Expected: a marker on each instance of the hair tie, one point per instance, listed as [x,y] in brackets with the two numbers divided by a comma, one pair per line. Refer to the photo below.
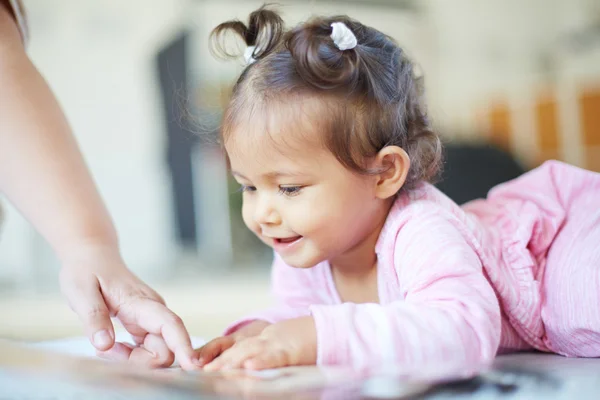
[342,36]
[249,55]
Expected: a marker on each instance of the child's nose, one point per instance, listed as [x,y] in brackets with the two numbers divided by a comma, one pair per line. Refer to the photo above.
[265,213]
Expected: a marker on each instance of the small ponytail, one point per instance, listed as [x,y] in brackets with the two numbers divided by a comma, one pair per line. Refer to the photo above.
[262,35]
[319,61]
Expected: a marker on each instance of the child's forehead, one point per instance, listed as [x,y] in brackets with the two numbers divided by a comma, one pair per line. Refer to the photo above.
[272,151]
[284,129]
[265,153]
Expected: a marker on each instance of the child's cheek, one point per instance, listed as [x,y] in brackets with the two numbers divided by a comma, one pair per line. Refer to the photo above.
[247,216]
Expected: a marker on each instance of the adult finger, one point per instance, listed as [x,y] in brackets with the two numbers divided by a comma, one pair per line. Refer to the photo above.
[88,303]
[138,339]
[154,317]
[119,352]
[153,353]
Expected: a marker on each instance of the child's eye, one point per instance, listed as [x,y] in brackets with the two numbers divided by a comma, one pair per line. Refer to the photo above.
[246,188]
[290,190]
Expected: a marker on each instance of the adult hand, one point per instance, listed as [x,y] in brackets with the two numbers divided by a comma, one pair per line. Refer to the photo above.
[99,286]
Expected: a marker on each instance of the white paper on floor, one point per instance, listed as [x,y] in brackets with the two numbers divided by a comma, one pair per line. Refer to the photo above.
[80,345]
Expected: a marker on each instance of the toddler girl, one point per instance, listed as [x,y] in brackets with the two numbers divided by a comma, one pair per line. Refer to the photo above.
[327,136]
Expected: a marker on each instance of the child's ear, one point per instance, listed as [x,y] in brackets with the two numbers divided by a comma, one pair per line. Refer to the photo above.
[394,164]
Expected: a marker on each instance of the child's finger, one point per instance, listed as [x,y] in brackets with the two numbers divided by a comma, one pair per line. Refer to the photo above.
[225,360]
[214,365]
[218,362]
[243,351]
[267,360]
[213,349]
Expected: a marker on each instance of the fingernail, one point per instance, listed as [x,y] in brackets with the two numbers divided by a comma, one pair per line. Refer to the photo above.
[102,338]
[199,361]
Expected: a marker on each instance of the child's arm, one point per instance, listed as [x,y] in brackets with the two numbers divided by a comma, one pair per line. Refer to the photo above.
[447,312]
[294,291]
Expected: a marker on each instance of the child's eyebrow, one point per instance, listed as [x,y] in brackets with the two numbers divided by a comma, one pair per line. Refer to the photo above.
[279,174]
[235,173]
[272,175]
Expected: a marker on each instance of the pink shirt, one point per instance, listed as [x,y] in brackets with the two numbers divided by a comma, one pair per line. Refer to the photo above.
[456,284]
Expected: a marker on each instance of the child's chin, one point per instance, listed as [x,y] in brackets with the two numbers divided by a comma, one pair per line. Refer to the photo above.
[298,262]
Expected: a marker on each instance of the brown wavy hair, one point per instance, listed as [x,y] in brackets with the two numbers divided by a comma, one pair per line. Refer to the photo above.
[371,94]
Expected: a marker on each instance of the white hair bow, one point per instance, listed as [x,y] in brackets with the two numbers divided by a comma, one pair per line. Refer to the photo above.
[249,55]
[342,36]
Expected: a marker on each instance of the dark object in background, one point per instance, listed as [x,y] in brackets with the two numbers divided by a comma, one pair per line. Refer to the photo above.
[171,66]
[471,170]
[508,380]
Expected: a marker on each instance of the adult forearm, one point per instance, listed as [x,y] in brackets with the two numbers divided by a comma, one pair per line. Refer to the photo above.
[41,168]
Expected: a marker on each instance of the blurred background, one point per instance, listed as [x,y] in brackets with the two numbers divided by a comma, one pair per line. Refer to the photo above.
[510,83]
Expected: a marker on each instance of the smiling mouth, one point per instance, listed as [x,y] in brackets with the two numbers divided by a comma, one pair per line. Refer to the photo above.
[287,240]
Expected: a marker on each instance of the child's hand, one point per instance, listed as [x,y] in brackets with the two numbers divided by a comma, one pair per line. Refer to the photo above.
[215,347]
[291,342]
[254,328]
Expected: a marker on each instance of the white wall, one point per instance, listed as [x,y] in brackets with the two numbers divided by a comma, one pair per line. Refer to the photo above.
[98,58]
[496,48]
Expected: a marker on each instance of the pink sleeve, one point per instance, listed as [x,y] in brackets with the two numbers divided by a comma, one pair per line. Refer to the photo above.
[447,310]
[293,290]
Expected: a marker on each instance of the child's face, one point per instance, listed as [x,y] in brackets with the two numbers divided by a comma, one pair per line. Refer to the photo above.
[299,199]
